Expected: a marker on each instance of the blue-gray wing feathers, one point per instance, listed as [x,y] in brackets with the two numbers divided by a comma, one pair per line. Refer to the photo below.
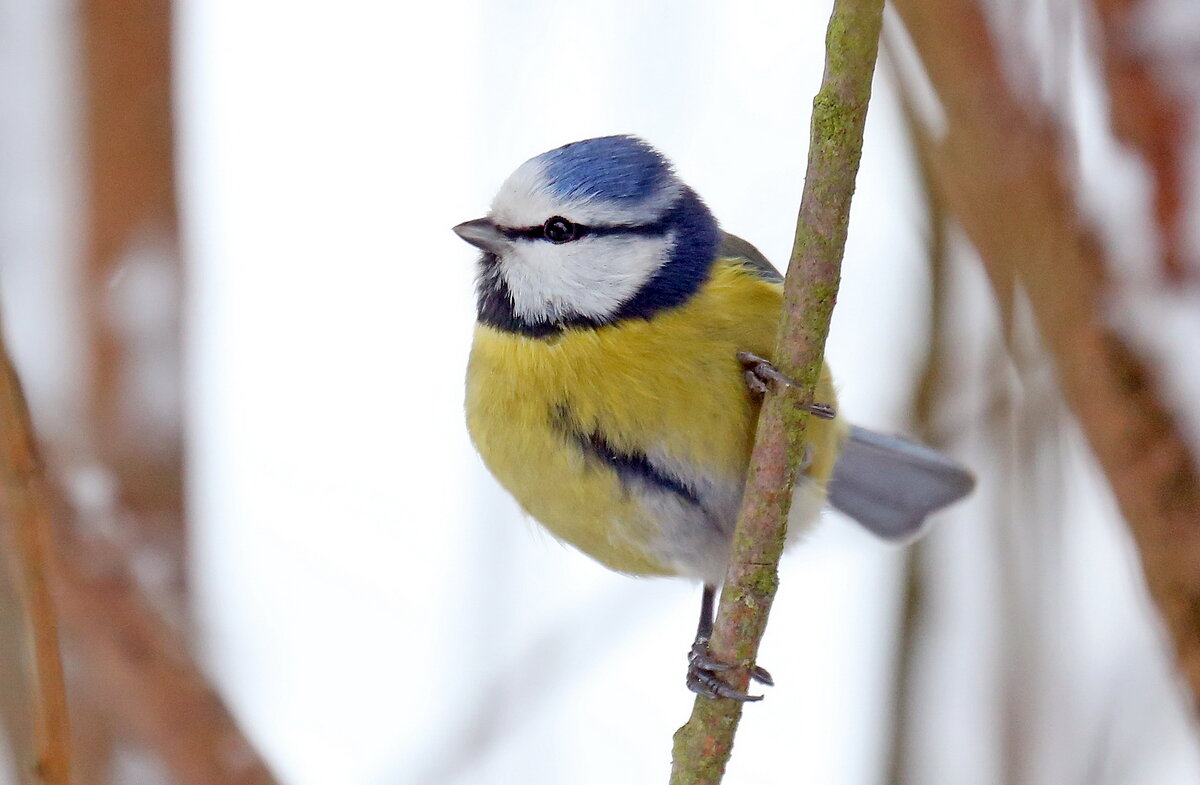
[890,484]
[734,247]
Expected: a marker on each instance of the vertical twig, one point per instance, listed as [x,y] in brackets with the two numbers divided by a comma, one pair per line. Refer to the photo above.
[131,227]
[703,745]
[929,396]
[129,178]
[26,512]
[18,746]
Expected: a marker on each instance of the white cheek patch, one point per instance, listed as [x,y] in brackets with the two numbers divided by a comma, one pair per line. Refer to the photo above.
[590,277]
[526,199]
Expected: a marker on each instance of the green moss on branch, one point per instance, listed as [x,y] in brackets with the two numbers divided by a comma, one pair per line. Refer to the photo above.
[703,745]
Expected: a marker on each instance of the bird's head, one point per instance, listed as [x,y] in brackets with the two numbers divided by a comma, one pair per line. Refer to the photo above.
[588,234]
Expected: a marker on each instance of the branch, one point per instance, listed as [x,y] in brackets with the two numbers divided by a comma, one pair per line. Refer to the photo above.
[1147,117]
[137,666]
[26,516]
[703,745]
[1001,169]
[927,400]
[18,685]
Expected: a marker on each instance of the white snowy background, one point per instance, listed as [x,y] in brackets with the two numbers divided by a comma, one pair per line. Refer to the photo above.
[374,607]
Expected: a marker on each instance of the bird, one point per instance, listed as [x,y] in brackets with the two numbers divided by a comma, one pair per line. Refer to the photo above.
[622,346]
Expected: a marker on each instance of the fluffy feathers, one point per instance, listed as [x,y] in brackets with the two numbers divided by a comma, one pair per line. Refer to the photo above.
[669,389]
[603,389]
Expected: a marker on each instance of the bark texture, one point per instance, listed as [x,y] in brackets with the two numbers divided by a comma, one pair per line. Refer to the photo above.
[703,745]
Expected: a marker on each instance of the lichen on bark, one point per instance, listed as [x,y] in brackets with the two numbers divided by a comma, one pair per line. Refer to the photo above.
[703,745]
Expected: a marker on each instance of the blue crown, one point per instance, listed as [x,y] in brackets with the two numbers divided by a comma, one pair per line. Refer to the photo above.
[618,168]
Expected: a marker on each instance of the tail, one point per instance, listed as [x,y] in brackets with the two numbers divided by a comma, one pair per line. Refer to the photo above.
[889,484]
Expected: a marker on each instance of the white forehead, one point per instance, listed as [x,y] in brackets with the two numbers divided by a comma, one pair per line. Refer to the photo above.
[528,199]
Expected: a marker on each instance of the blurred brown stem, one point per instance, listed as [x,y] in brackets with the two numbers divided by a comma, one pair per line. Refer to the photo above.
[26,515]
[1148,118]
[929,396]
[129,181]
[703,745]
[1000,166]
[138,667]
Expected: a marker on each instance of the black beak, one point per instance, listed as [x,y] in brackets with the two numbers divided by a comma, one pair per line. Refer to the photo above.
[483,233]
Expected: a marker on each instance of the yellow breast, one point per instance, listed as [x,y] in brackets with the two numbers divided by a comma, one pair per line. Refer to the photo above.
[669,386]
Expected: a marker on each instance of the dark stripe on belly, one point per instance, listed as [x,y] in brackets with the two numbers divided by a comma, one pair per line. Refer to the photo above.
[632,468]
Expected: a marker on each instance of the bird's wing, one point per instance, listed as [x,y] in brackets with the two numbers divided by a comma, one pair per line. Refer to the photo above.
[889,484]
[734,247]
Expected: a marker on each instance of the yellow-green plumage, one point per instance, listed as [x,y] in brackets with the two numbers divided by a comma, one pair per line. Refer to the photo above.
[670,386]
[605,391]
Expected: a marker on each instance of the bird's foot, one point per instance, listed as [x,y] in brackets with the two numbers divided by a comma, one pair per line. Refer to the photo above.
[703,675]
[761,374]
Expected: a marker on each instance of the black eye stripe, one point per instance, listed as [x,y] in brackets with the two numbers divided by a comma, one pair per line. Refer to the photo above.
[539,232]
[652,229]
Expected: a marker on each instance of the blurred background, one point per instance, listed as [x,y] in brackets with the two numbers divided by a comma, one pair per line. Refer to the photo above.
[229,286]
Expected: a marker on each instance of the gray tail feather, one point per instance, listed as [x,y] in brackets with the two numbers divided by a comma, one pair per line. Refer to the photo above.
[889,484]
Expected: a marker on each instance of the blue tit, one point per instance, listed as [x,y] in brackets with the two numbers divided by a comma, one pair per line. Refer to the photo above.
[622,344]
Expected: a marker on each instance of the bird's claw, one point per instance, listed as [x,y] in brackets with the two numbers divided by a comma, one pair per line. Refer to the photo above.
[702,677]
[761,374]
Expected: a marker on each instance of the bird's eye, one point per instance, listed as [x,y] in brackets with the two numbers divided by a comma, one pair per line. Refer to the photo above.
[559,230]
